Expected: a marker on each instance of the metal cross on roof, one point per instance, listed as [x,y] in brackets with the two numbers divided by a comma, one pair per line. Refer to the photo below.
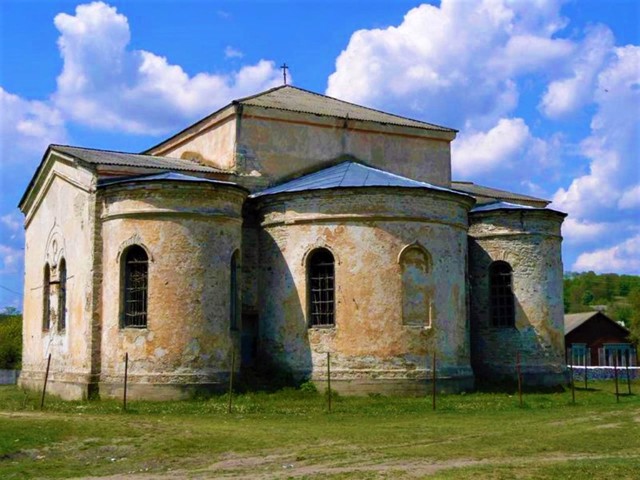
[284,67]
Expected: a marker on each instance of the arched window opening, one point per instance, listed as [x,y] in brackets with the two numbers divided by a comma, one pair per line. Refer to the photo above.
[46,299]
[136,275]
[417,304]
[62,296]
[234,300]
[501,293]
[321,285]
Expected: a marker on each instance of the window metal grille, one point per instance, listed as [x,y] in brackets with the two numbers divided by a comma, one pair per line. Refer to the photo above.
[321,282]
[46,292]
[62,296]
[501,292]
[136,275]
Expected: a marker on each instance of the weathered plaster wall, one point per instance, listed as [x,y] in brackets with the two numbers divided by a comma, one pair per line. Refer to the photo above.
[530,242]
[59,224]
[190,232]
[366,231]
[279,144]
[210,142]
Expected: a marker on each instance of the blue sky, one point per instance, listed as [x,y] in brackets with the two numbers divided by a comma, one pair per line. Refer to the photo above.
[546,94]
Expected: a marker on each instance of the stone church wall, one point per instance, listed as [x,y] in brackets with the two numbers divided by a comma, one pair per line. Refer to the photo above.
[190,232]
[59,224]
[280,144]
[530,242]
[372,350]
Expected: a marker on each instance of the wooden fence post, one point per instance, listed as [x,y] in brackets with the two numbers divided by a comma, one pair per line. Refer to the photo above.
[518,371]
[126,372]
[233,367]
[433,381]
[46,377]
[329,381]
[615,375]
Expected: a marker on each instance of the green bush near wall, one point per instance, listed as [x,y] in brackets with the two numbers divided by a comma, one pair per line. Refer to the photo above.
[10,340]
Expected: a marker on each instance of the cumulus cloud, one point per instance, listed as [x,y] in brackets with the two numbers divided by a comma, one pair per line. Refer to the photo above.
[622,258]
[456,64]
[10,259]
[27,127]
[106,85]
[486,151]
[613,145]
[566,95]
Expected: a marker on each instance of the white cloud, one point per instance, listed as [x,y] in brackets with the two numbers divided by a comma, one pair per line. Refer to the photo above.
[484,152]
[621,258]
[11,259]
[613,146]
[456,64]
[12,222]
[630,198]
[230,52]
[105,85]
[26,128]
[566,95]
[581,232]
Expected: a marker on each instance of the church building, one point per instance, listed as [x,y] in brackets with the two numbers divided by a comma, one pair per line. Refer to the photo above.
[285,226]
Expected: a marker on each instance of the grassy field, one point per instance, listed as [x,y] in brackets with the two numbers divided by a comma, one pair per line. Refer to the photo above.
[289,434]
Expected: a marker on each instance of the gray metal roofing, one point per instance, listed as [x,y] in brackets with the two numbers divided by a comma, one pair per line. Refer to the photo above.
[574,320]
[487,207]
[349,175]
[162,177]
[494,193]
[105,157]
[296,99]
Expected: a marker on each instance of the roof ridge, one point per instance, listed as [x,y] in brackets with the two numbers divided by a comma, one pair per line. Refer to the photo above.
[54,145]
[259,94]
[345,102]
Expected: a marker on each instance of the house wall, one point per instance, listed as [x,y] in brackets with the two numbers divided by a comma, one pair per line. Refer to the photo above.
[60,223]
[190,232]
[279,144]
[595,332]
[530,242]
[371,349]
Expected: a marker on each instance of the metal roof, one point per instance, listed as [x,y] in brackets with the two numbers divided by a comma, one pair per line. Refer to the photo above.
[488,207]
[294,99]
[493,193]
[162,177]
[574,320]
[106,157]
[349,174]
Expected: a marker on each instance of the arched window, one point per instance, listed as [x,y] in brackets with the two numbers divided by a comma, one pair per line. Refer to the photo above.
[136,275]
[234,311]
[416,285]
[62,296]
[501,293]
[46,292]
[321,285]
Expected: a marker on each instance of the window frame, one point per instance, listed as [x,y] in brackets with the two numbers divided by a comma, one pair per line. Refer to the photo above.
[234,292]
[62,295]
[502,300]
[46,298]
[326,294]
[126,288]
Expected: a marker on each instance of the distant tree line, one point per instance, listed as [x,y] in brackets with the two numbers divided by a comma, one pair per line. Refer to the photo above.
[10,339]
[617,295]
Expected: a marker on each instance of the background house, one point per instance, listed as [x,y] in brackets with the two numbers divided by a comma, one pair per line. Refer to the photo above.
[600,338]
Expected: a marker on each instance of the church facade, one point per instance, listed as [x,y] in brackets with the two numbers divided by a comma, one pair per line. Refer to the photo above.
[283,227]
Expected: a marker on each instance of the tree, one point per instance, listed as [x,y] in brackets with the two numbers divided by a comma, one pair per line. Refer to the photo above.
[10,339]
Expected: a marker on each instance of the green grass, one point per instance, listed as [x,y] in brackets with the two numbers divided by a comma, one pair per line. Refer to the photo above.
[290,433]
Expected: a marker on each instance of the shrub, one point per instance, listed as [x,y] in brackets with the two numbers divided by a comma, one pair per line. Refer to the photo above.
[10,340]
